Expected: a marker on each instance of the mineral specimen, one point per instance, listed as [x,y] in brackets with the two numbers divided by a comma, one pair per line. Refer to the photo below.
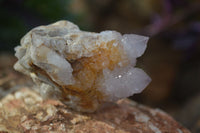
[82,69]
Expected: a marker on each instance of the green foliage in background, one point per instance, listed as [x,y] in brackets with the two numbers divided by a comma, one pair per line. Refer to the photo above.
[15,17]
[11,29]
[50,10]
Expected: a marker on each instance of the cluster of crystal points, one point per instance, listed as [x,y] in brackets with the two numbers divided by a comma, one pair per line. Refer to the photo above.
[82,69]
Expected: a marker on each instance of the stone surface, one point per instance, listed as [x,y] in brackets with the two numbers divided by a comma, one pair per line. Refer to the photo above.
[26,111]
[82,69]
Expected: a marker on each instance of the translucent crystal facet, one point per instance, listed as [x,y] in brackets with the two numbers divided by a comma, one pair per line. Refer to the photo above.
[82,69]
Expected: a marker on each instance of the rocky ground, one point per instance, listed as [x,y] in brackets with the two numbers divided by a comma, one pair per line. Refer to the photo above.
[26,111]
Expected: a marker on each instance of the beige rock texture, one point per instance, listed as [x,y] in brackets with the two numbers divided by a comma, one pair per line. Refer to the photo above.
[26,112]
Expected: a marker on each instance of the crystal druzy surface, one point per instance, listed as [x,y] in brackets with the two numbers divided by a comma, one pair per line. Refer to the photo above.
[82,69]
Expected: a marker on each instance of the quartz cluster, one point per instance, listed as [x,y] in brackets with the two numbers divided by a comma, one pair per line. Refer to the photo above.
[82,69]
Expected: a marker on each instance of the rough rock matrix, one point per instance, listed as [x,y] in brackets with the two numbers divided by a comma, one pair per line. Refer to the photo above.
[82,69]
[26,112]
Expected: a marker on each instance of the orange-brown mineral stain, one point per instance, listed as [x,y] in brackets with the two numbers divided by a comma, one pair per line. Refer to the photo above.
[88,72]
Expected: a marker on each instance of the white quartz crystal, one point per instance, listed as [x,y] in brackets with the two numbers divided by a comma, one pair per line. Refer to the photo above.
[83,69]
[124,82]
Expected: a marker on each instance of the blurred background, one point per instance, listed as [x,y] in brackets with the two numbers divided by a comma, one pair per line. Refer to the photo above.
[172,58]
